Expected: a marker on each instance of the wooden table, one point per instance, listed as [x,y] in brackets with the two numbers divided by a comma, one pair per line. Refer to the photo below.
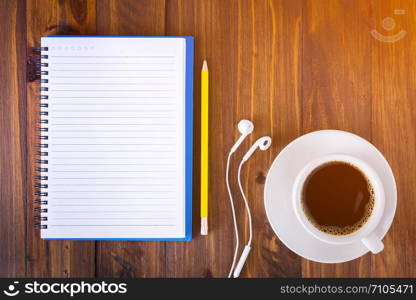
[291,66]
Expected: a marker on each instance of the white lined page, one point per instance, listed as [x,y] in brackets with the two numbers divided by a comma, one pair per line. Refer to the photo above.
[116,137]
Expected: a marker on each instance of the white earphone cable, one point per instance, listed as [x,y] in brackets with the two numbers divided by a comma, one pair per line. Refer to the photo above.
[230,196]
[263,143]
[250,223]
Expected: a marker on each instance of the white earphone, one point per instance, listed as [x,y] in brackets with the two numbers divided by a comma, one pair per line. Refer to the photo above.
[245,127]
[263,143]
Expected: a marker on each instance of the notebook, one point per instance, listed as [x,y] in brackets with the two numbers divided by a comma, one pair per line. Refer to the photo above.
[115,149]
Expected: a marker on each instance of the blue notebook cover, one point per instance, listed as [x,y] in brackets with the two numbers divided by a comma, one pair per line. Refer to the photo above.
[189,109]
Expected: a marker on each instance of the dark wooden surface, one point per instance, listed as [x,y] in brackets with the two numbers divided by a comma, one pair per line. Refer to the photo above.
[290,66]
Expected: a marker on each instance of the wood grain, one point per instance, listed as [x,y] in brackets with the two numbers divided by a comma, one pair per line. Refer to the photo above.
[269,82]
[13,145]
[290,66]
[394,126]
[131,17]
[76,17]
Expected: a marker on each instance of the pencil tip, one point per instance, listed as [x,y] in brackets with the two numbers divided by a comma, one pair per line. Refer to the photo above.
[205,65]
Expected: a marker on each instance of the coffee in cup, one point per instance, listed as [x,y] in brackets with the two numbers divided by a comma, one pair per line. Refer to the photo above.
[340,199]
[337,198]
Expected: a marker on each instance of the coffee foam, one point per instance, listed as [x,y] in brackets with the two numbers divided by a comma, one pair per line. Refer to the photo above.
[345,230]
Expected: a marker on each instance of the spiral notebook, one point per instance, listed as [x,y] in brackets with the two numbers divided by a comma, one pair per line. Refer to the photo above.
[115,151]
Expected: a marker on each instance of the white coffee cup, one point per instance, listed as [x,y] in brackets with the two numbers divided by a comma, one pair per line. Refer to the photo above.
[366,233]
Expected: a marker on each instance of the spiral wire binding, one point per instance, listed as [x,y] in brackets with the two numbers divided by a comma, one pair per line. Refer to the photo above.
[41,169]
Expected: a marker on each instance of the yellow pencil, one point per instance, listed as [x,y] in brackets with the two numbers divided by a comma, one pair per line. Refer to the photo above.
[204,149]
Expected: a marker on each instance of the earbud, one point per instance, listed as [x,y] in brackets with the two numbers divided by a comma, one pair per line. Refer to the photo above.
[263,143]
[245,127]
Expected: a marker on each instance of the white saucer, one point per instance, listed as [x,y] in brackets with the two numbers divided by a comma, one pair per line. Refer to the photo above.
[278,189]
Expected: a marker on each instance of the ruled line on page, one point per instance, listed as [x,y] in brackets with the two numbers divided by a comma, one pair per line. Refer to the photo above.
[113,137]
[116,205]
[118,171]
[107,184]
[112,144]
[113,77]
[112,178]
[84,103]
[122,159]
[51,219]
[114,124]
[127,117]
[111,97]
[105,56]
[113,70]
[135,151]
[112,198]
[110,84]
[112,111]
[111,211]
[78,90]
[112,63]
[117,164]
[111,191]
[96,130]
[107,225]
[106,158]
[111,205]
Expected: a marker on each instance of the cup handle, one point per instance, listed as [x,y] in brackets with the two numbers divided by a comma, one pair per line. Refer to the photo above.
[373,243]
